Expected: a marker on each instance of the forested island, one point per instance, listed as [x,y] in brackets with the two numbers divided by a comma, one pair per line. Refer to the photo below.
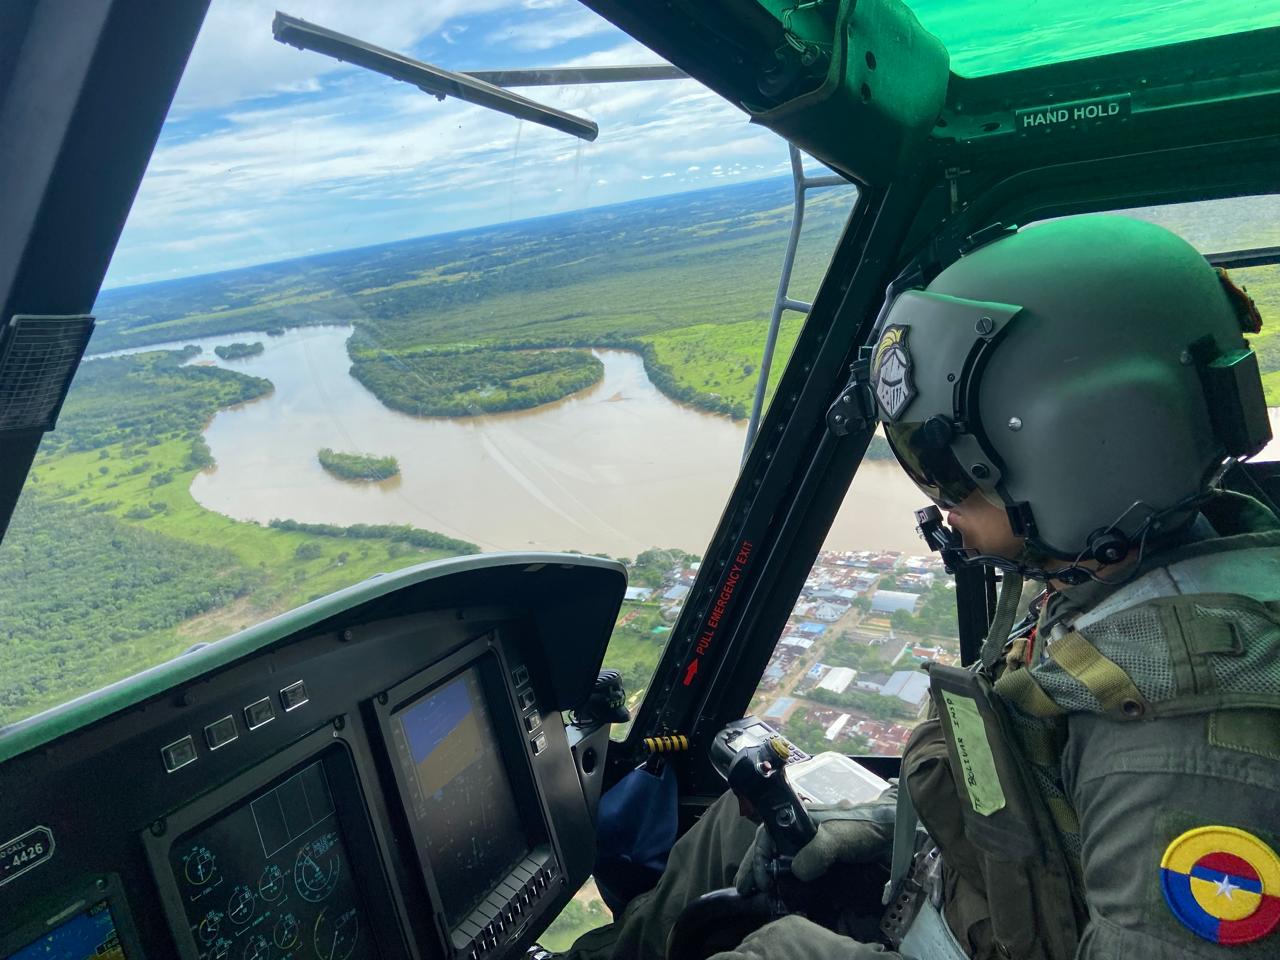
[237,351]
[467,383]
[358,466]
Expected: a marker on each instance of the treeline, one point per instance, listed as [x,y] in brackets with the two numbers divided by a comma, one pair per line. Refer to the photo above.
[935,616]
[426,539]
[79,592]
[144,397]
[811,736]
[872,704]
[357,466]
[661,376]
[585,270]
[652,565]
[475,382]
[235,351]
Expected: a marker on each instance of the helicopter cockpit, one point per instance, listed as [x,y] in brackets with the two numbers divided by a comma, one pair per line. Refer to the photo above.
[396,725]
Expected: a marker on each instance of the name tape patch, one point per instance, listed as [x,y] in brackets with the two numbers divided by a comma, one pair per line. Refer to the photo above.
[981,780]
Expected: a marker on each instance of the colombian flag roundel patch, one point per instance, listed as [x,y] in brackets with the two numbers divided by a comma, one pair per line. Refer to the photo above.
[1222,884]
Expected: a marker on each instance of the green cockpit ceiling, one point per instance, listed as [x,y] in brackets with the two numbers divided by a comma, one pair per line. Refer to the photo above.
[995,36]
[873,87]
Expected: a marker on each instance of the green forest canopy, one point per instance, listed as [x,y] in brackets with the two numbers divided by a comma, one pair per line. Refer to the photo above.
[235,351]
[478,381]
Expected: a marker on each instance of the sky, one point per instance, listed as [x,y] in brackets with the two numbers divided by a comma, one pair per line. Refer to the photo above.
[270,152]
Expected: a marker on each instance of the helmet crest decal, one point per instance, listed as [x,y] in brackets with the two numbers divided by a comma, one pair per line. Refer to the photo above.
[891,372]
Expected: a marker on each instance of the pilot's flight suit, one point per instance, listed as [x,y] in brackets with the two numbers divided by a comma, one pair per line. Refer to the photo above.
[1149,735]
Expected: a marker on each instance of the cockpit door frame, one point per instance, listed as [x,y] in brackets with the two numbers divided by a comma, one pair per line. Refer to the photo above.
[84,90]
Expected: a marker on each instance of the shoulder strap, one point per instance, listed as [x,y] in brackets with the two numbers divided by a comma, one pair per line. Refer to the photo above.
[1080,659]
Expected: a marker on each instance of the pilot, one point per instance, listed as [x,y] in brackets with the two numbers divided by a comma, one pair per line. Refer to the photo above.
[1104,783]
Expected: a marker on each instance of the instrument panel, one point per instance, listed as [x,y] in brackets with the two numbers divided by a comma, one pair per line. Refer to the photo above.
[390,780]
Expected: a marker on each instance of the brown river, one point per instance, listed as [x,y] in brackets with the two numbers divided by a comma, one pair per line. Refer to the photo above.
[614,469]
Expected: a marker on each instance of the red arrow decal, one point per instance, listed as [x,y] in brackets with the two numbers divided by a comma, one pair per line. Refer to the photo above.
[690,673]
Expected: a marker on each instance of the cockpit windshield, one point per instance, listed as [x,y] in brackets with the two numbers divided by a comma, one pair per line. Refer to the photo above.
[349,328]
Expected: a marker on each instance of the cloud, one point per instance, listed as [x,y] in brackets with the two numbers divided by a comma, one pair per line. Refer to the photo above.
[628,54]
[543,32]
[236,58]
[339,162]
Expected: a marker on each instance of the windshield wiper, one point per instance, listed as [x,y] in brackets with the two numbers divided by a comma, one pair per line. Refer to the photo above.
[431,79]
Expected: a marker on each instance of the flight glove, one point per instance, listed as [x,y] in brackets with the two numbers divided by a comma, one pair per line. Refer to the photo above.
[847,833]
[795,938]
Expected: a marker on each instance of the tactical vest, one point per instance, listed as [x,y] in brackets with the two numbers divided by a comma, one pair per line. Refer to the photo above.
[1199,634]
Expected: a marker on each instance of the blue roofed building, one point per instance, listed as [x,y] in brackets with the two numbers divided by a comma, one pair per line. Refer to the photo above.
[778,711]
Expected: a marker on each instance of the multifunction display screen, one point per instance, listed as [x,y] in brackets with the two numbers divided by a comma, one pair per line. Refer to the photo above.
[467,824]
[272,878]
[89,935]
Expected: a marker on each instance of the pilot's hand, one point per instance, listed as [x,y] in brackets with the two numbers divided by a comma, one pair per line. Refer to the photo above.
[847,833]
[795,938]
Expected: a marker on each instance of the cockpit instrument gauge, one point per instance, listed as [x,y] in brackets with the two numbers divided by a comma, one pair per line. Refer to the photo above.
[256,947]
[271,883]
[221,950]
[210,925]
[241,905]
[285,933]
[336,933]
[199,866]
[316,867]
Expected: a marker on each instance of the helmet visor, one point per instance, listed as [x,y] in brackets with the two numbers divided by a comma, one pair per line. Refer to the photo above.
[932,467]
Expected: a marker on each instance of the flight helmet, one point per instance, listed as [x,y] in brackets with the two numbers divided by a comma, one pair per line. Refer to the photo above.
[1089,374]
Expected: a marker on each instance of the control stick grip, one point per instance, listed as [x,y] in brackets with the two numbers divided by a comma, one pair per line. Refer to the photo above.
[759,781]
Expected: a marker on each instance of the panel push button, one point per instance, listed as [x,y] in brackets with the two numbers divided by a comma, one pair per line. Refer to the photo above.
[532,722]
[520,676]
[527,699]
[221,732]
[293,696]
[257,714]
[179,753]
[539,743]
